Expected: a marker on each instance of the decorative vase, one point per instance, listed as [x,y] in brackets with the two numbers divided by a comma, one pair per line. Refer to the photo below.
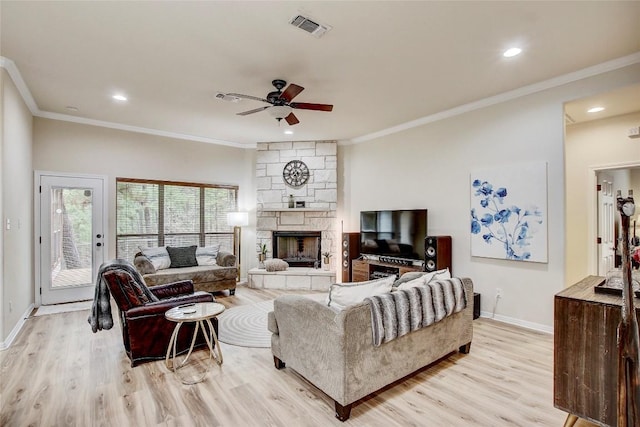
[261,258]
[326,263]
[292,201]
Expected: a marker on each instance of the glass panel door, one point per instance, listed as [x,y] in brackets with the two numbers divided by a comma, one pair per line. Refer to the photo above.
[72,237]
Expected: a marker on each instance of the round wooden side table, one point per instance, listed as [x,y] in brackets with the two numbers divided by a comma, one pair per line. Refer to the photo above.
[200,313]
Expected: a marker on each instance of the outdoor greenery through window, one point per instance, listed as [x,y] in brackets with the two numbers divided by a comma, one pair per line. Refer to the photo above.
[163,213]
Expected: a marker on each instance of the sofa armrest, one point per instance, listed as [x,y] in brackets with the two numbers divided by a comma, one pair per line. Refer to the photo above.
[160,307]
[226,259]
[174,289]
[311,339]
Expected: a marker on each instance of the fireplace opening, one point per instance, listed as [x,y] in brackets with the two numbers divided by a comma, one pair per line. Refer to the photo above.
[298,248]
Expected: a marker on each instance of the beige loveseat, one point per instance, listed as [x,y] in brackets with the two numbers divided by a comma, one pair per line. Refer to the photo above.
[335,352]
[208,278]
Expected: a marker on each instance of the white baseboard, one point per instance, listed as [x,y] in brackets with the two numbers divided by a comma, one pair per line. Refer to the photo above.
[16,329]
[529,325]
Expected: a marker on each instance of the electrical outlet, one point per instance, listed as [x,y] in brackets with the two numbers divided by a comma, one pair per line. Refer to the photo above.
[498,292]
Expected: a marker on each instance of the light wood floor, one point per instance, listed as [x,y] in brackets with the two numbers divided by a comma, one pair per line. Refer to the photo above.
[58,373]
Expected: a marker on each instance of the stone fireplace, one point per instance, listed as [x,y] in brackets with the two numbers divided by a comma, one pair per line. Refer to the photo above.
[298,248]
[316,220]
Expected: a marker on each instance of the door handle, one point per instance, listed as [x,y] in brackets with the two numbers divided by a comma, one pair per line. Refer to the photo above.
[99,236]
[98,244]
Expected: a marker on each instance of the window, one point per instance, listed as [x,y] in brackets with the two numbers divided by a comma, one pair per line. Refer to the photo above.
[163,213]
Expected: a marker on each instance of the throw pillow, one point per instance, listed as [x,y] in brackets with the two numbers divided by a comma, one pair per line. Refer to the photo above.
[409,276]
[440,275]
[206,255]
[182,257]
[143,265]
[276,264]
[159,257]
[420,281]
[342,295]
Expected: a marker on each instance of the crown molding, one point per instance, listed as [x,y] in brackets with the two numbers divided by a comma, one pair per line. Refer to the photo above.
[22,87]
[506,96]
[138,129]
[594,70]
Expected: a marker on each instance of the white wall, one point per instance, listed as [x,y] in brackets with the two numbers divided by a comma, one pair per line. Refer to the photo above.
[429,167]
[74,148]
[16,184]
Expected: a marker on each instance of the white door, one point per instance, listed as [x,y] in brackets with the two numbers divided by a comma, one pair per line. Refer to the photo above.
[606,224]
[72,241]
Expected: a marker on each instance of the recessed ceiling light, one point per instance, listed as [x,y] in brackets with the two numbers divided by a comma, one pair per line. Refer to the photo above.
[288,132]
[512,52]
[119,97]
[595,109]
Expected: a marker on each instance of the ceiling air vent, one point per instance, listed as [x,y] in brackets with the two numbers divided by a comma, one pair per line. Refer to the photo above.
[310,26]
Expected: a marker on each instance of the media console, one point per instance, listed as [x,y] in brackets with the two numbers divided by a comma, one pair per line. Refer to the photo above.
[368,269]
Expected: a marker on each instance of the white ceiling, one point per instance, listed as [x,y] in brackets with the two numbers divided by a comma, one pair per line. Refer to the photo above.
[384,63]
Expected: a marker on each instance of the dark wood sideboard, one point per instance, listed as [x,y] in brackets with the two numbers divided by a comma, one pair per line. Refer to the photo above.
[585,351]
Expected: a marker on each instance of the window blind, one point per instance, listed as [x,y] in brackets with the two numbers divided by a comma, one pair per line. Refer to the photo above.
[163,213]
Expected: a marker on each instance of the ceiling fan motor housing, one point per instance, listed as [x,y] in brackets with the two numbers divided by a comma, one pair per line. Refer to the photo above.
[279,84]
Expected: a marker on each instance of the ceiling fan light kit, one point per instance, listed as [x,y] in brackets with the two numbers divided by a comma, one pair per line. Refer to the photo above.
[280,102]
[279,112]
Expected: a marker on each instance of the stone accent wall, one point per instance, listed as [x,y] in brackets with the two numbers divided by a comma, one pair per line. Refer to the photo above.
[320,193]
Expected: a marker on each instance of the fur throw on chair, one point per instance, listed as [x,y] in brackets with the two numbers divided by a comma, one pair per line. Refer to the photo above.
[100,317]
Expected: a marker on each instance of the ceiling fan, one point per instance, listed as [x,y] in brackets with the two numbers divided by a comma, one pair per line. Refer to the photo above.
[280,102]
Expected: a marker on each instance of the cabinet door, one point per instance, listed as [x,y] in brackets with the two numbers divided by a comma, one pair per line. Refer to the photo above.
[360,270]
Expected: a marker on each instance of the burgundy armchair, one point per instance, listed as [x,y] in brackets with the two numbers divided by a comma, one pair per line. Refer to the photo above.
[145,330]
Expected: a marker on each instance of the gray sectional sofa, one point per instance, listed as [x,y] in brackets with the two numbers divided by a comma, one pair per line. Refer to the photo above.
[208,278]
[334,349]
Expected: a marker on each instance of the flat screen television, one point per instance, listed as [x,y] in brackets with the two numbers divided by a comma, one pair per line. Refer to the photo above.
[394,233]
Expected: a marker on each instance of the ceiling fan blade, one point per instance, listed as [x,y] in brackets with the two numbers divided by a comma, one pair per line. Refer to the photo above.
[308,106]
[256,110]
[292,119]
[255,98]
[291,92]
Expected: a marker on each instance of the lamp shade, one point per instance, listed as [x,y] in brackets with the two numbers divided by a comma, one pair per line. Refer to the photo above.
[238,219]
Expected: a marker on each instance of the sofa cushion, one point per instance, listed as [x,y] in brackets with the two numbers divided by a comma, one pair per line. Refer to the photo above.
[182,256]
[206,255]
[159,257]
[197,274]
[342,295]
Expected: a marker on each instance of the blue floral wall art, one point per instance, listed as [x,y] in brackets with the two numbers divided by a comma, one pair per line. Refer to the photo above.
[509,212]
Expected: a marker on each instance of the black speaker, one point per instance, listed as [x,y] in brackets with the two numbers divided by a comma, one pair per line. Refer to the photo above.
[350,251]
[476,305]
[437,253]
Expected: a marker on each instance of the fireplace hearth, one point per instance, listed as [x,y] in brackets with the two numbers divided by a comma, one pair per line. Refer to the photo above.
[298,248]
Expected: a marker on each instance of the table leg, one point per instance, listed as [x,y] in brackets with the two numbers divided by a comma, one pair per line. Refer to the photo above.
[172,347]
[570,421]
[212,333]
[212,343]
[193,342]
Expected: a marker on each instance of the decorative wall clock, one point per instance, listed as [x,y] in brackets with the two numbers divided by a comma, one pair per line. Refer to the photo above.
[295,173]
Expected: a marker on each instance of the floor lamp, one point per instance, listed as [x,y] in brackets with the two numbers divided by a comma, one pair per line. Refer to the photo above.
[237,220]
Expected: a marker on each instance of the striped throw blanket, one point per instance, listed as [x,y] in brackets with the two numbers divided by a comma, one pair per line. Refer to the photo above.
[397,313]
